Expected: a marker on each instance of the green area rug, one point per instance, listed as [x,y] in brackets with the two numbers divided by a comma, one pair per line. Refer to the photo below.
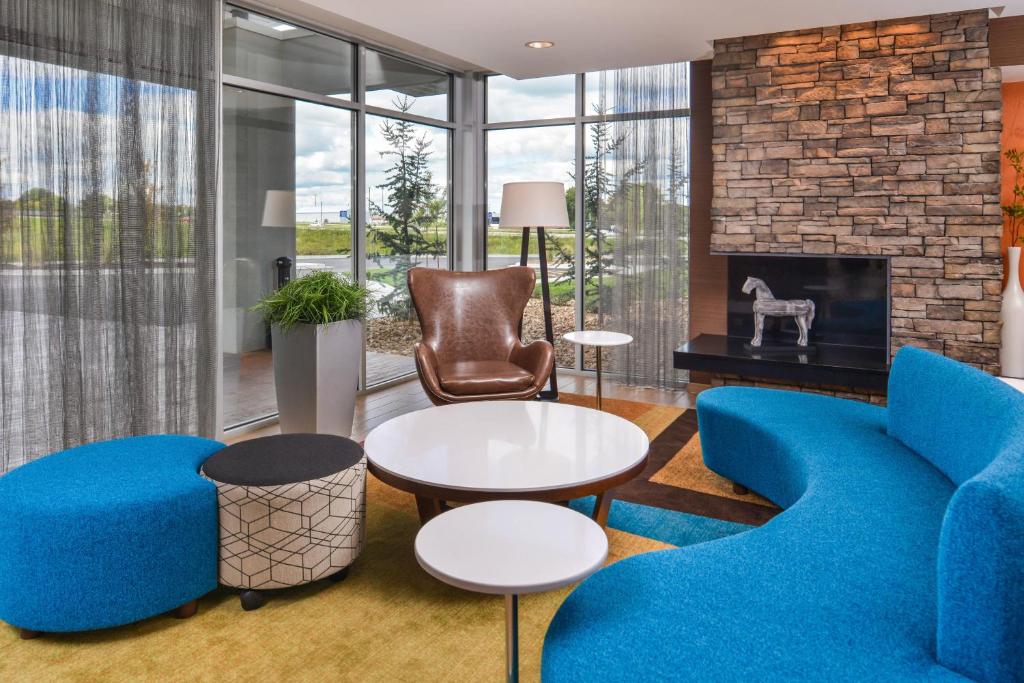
[389,621]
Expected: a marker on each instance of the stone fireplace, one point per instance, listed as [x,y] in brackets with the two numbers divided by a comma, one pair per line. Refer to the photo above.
[870,140]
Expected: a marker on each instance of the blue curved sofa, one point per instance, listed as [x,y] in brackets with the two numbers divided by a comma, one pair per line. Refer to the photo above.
[899,555]
[107,534]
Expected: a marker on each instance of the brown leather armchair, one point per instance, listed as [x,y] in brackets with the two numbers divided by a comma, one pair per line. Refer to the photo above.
[471,350]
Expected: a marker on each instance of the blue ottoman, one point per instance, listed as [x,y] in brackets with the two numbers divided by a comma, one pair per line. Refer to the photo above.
[107,534]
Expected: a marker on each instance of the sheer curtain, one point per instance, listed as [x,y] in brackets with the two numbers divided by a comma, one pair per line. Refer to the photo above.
[108,171]
[643,217]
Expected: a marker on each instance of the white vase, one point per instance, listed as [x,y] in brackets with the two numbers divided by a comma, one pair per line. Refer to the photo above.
[1011,353]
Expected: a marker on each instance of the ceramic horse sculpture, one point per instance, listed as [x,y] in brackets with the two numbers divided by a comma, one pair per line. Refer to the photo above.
[802,310]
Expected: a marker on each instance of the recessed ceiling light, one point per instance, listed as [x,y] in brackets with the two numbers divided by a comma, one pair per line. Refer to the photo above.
[540,44]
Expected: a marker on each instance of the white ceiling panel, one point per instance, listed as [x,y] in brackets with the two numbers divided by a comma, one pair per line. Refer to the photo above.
[591,35]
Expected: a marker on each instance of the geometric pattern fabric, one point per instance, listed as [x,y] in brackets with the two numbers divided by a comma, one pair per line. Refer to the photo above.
[291,534]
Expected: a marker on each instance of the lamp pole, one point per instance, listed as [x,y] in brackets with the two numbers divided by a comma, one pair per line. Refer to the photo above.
[549,333]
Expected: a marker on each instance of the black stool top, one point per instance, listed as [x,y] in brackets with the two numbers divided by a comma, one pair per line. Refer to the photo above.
[282,459]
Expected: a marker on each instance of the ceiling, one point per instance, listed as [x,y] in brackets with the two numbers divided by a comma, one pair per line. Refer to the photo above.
[591,35]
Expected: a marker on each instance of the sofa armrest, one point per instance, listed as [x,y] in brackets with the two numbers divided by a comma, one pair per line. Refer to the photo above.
[537,357]
[981,575]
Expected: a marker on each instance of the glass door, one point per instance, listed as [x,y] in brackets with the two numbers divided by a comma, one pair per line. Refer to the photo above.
[407,226]
[287,201]
[407,187]
[326,170]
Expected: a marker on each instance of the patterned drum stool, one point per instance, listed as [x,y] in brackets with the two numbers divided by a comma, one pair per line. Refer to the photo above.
[292,510]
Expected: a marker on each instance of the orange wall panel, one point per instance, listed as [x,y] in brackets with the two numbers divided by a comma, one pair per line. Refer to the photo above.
[1012,136]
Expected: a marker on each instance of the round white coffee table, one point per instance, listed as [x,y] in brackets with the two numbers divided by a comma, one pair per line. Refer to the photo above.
[493,450]
[600,339]
[511,547]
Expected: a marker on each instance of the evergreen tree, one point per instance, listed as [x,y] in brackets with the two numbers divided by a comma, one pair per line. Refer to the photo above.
[597,188]
[410,197]
[411,205]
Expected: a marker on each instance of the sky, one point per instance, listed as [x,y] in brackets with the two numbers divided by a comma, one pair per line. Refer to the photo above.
[324,140]
[324,143]
[323,163]
[65,109]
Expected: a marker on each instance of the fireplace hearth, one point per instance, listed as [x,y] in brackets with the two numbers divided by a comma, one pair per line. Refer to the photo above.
[849,337]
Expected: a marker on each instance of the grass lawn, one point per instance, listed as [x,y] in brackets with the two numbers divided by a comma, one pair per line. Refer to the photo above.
[388,276]
[35,240]
[509,242]
[337,239]
[322,241]
[561,292]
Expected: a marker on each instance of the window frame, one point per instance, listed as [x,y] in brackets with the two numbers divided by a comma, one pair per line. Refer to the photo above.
[579,120]
[360,191]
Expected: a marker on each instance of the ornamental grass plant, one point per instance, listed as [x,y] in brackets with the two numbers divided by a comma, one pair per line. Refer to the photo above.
[320,298]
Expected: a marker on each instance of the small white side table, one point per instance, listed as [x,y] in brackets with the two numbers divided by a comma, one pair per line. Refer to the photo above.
[510,547]
[600,339]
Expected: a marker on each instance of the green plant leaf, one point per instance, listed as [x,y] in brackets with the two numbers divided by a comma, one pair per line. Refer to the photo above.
[319,298]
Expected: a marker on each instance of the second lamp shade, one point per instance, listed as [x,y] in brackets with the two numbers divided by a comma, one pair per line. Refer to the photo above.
[279,209]
[533,204]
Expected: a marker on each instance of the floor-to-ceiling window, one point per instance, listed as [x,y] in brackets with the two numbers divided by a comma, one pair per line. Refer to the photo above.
[407,186]
[546,129]
[335,156]
[531,136]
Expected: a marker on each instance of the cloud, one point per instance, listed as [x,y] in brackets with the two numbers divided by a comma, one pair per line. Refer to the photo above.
[323,168]
[534,98]
[323,158]
[53,119]
[528,154]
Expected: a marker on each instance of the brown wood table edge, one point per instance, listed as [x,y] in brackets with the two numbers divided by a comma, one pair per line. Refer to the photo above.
[430,498]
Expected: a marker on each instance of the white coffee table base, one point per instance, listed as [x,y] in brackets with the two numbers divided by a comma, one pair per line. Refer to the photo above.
[511,547]
[511,638]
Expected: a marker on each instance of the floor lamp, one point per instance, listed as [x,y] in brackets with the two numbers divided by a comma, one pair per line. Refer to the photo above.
[537,205]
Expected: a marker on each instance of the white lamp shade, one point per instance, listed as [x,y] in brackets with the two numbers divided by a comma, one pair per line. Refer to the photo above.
[533,205]
[279,209]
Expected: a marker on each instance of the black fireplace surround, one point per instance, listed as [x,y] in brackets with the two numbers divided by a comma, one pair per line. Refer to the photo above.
[849,338]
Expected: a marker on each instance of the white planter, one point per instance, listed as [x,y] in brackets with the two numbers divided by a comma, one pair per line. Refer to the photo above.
[316,374]
[1011,352]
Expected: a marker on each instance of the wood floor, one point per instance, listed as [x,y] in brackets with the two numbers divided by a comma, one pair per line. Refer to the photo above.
[249,381]
[377,407]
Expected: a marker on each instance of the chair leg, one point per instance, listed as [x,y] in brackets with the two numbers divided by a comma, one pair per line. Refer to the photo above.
[187,610]
[29,634]
[740,489]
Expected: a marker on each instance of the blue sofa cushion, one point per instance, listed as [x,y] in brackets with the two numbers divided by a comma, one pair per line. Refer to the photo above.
[954,416]
[106,534]
[841,586]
